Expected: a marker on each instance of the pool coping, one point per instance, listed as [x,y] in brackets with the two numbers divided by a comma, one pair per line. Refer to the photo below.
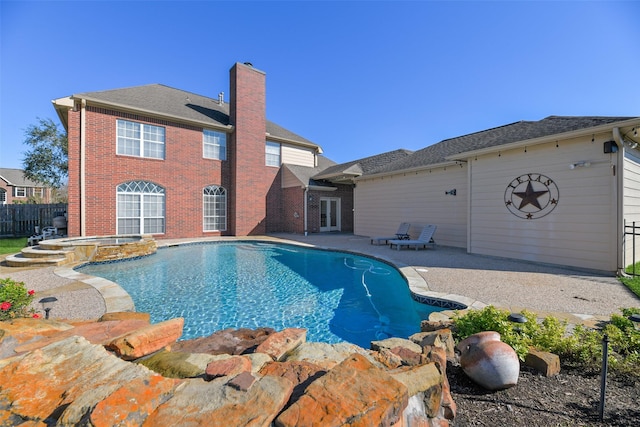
[117,299]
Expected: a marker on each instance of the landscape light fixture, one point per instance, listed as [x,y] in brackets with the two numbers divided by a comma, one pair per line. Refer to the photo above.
[517,318]
[47,305]
[635,318]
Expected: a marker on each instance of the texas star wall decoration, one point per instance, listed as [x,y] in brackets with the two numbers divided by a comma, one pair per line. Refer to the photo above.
[531,196]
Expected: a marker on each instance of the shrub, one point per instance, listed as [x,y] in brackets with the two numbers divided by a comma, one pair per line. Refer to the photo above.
[15,300]
[582,348]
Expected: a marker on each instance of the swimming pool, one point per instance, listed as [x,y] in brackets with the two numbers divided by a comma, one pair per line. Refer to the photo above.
[336,296]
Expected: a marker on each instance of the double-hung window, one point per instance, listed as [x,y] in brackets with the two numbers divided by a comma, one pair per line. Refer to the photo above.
[142,140]
[214,145]
[272,154]
[214,208]
[21,192]
[140,208]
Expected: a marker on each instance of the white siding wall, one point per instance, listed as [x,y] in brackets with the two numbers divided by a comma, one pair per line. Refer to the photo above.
[580,231]
[381,204]
[631,203]
[297,155]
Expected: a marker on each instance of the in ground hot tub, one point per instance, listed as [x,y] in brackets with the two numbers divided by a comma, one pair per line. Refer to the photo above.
[104,248]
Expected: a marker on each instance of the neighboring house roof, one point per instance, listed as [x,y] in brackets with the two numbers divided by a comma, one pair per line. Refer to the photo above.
[304,173]
[346,172]
[161,100]
[444,151]
[16,178]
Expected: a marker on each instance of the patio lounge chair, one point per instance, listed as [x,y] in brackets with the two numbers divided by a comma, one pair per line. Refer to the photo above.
[425,238]
[401,234]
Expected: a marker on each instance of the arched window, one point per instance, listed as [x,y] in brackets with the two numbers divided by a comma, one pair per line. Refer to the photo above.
[214,208]
[140,208]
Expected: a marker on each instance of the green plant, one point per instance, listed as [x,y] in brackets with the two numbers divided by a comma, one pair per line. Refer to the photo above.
[581,348]
[15,300]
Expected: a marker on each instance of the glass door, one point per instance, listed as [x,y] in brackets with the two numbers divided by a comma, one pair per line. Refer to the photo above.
[329,214]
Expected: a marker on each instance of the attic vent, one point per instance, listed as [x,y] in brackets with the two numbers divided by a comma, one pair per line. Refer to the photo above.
[221,98]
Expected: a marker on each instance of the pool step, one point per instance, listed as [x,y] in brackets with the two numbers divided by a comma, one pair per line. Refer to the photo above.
[34,256]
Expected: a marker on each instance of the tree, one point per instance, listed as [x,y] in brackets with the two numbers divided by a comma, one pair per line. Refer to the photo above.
[47,161]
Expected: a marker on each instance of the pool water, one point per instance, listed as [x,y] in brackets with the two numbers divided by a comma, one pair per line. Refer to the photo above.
[336,296]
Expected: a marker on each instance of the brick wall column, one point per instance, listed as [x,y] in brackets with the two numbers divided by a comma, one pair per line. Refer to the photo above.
[250,178]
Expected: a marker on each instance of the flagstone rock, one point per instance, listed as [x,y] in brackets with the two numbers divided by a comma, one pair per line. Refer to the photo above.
[96,333]
[408,357]
[21,331]
[548,364]
[147,340]
[300,373]
[327,355]
[215,404]
[227,367]
[367,397]
[387,358]
[391,343]
[133,402]
[279,344]
[424,380]
[439,338]
[125,315]
[226,341]
[177,364]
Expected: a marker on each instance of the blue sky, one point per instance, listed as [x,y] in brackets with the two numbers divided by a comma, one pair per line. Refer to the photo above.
[358,78]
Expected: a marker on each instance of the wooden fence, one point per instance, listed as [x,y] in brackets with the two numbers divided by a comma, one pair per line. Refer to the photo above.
[21,220]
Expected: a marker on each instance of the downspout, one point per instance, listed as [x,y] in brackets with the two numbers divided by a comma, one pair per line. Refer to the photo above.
[619,175]
[83,116]
[306,197]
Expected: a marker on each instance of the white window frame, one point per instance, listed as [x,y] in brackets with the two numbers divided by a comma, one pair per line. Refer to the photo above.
[38,192]
[272,153]
[214,208]
[21,192]
[140,208]
[214,145]
[140,139]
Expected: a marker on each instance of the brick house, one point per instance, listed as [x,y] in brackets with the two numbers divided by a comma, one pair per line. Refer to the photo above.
[16,188]
[157,160]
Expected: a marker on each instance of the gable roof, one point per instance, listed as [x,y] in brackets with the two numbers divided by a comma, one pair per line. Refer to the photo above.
[16,178]
[346,172]
[447,150]
[174,104]
[305,174]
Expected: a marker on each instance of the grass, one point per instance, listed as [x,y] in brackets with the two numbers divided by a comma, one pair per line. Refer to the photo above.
[633,282]
[12,245]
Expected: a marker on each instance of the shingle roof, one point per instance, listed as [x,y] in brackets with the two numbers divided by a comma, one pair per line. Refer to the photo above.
[363,166]
[16,178]
[305,173]
[514,132]
[176,103]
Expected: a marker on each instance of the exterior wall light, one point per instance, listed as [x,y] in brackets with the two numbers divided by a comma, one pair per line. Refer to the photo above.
[451,192]
[580,164]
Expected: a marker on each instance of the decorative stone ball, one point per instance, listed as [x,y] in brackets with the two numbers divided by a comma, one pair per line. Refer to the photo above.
[488,361]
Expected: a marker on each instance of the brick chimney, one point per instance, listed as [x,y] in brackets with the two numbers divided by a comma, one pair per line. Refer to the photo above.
[251,179]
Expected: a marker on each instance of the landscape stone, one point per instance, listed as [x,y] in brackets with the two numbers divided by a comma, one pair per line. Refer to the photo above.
[96,333]
[368,397]
[424,380]
[434,325]
[215,404]
[227,367]
[226,341]
[548,364]
[300,373]
[242,381]
[327,355]
[408,357]
[387,358]
[132,402]
[176,364]
[147,340]
[439,338]
[281,343]
[391,343]
[125,315]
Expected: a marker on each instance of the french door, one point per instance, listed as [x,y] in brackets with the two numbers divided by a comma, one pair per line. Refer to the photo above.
[329,214]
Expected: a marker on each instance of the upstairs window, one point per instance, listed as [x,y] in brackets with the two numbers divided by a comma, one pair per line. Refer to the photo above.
[142,140]
[272,154]
[214,145]
[215,208]
[140,208]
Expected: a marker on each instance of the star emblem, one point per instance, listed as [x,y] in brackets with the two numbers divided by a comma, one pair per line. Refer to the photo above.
[529,196]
